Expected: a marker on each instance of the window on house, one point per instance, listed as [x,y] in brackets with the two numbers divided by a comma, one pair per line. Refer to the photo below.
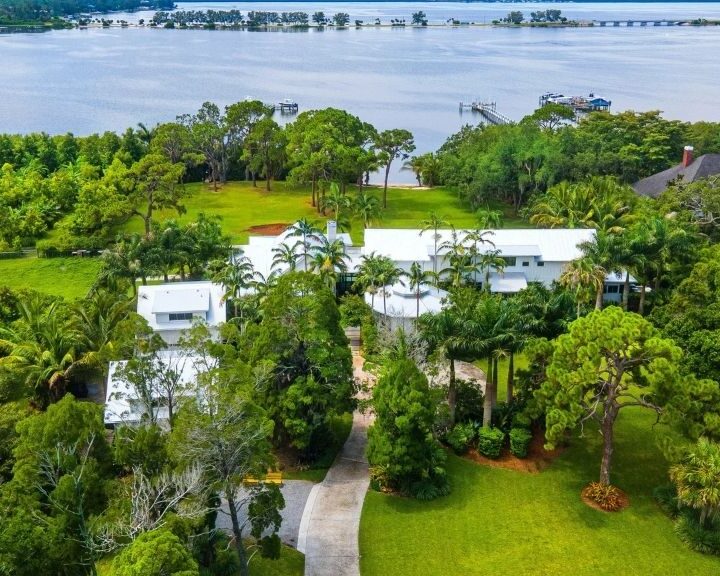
[525,263]
[612,289]
[510,260]
[180,316]
[541,263]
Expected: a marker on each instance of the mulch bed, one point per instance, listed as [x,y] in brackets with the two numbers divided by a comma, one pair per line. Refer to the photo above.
[268,229]
[624,501]
[537,459]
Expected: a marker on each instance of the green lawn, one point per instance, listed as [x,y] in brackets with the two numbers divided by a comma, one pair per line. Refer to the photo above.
[503,522]
[242,206]
[69,277]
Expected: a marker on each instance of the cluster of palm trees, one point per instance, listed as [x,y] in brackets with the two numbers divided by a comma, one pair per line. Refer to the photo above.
[53,346]
[630,238]
[476,326]
[650,250]
[364,206]
[171,249]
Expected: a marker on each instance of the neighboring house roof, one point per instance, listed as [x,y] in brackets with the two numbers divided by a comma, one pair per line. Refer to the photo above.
[702,167]
[178,297]
[185,299]
[122,403]
[548,244]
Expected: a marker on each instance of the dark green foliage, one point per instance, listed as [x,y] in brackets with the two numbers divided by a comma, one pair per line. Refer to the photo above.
[503,415]
[302,345]
[156,552]
[490,442]
[461,437]
[143,447]
[703,539]
[520,441]
[270,546]
[402,451]
[666,497]
[469,407]
[354,311]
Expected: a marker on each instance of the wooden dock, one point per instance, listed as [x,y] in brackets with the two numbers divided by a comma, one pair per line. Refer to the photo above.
[488,110]
[286,106]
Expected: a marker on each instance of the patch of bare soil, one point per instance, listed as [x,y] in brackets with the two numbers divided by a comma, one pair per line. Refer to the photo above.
[268,229]
[624,501]
[537,459]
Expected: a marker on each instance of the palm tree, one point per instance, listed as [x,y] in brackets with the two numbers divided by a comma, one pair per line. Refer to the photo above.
[235,276]
[367,208]
[487,218]
[284,255]
[335,200]
[328,259]
[46,350]
[369,275]
[434,223]
[460,259]
[697,479]
[488,262]
[306,231]
[389,275]
[583,274]
[604,252]
[477,238]
[417,277]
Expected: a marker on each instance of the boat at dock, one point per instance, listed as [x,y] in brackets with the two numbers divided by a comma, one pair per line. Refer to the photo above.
[580,104]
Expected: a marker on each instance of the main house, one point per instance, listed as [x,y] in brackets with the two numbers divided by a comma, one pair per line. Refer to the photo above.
[530,255]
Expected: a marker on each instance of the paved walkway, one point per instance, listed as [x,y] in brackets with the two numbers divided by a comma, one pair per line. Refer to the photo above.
[330,525]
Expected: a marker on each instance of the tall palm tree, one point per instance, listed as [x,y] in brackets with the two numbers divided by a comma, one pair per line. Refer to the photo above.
[417,277]
[367,208]
[488,262]
[434,223]
[369,275]
[487,218]
[336,201]
[327,260]
[235,276]
[604,252]
[284,256]
[307,232]
[580,275]
[389,275]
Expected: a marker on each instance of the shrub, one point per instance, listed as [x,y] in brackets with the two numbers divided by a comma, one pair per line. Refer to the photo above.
[697,537]
[522,420]
[520,441]
[490,442]
[461,437]
[666,497]
[604,495]
[469,400]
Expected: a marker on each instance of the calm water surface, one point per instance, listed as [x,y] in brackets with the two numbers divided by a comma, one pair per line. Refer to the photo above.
[84,81]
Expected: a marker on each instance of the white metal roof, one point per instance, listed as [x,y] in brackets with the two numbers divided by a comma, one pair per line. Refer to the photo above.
[549,244]
[401,302]
[508,283]
[202,296]
[182,299]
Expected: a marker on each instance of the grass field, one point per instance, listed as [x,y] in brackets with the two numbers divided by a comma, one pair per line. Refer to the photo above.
[69,277]
[242,206]
[503,522]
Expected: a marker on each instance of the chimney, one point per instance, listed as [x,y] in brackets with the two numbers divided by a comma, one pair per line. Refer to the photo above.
[331,230]
[687,156]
